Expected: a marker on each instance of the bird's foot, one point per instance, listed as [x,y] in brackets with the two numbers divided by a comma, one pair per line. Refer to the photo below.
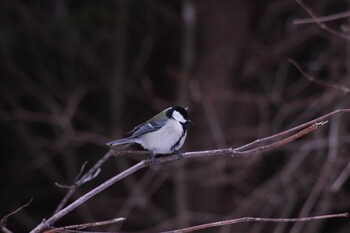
[179,154]
[153,160]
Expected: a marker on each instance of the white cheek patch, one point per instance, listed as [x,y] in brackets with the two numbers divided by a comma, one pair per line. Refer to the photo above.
[178,116]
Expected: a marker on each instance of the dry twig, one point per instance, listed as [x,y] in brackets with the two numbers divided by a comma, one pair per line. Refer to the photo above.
[326,18]
[85,225]
[4,219]
[252,219]
[311,78]
[320,23]
[80,180]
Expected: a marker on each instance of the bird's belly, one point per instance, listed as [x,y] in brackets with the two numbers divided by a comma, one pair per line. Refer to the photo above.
[163,141]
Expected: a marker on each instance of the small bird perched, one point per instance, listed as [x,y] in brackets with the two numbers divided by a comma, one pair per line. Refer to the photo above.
[165,133]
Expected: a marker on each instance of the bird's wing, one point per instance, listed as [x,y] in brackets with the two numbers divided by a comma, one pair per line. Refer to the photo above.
[146,128]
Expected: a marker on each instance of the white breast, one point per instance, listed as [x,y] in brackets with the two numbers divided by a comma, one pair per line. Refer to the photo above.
[163,140]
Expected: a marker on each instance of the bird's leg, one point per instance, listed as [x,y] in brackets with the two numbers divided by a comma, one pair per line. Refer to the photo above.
[179,154]
[153,159]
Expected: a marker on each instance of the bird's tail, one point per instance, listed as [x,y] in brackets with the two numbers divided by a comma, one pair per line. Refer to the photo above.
[120,141]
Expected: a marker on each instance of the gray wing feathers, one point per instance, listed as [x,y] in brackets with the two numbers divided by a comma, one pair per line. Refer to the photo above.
[138,131]
[120,141]
[146,128]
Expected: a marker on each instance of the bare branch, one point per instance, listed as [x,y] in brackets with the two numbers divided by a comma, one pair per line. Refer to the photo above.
[282,142]
[76,178]
[289,131]
[5,230]
[238,152]
[4,219]
[252,219]
[80,180]
[344,175]
[326,18]
[49,222]
[145,163]
[85,225]
[311,78]
[319,23]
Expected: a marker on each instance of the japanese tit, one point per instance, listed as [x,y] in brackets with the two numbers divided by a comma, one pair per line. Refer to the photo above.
[165,133]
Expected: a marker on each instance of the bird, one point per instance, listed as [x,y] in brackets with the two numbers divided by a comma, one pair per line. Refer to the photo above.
[165,133]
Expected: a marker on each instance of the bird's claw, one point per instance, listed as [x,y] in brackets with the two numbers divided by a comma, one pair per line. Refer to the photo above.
[179,154]
[153,160]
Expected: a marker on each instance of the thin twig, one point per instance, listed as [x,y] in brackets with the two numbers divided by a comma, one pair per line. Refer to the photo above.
[344,175]
[252,219]
[4,219]
[326,18]
[49,222]
[311,78]
[82,179]
[318,22]
[281,142]
[89,175]
[76,177]
[86,225]
[290,131]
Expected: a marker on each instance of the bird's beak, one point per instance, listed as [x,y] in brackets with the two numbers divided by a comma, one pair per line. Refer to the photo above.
[186,108]
[189,121]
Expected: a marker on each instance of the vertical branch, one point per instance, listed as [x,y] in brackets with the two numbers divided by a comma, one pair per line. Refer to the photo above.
[188,40]
[187,56]
[118,75]
[347,47]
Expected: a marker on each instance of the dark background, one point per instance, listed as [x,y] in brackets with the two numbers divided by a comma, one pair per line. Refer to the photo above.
[75,74]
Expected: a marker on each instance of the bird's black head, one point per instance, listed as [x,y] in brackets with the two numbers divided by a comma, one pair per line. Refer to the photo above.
[178,113]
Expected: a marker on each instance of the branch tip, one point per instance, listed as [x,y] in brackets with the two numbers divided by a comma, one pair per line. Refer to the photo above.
[63,186]
[92,176]
[3,220]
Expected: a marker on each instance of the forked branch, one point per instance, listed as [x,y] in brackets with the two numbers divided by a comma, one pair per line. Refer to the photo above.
[256,147]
